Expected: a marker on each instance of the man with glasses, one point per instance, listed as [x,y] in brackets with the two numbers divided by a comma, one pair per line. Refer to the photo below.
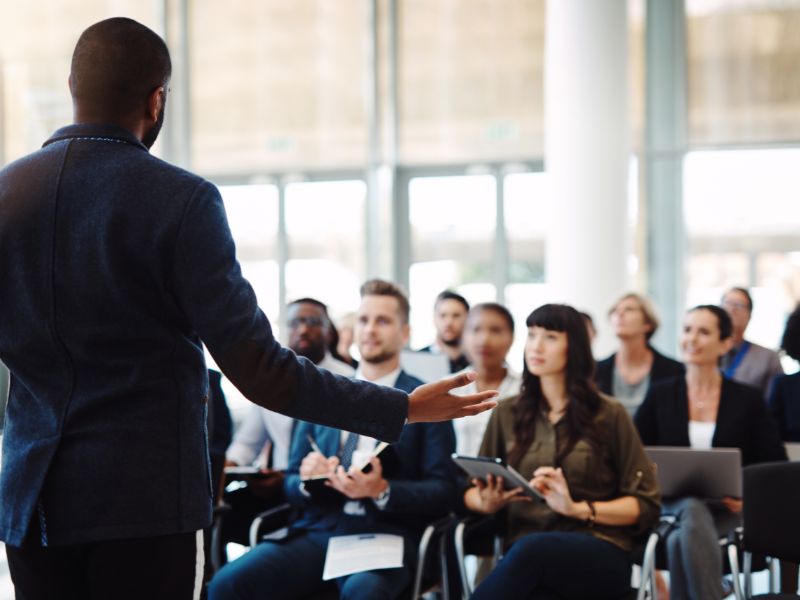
[747,362]
[309,336]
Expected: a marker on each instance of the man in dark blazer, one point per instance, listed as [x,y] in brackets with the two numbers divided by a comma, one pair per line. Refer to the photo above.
[114,266]
[410,484]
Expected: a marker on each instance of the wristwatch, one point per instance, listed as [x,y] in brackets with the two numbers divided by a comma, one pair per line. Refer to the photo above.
[384,495]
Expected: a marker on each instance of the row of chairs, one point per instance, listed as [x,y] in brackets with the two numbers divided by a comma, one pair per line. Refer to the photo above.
[770,532]
[771,528]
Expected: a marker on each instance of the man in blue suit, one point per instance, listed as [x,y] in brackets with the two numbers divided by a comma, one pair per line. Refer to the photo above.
[114,266]
[414,484]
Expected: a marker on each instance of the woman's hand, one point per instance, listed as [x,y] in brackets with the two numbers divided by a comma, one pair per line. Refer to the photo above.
[732,504]
[490,497]
[553,486]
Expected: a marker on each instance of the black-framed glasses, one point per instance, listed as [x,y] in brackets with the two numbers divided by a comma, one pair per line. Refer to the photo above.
[296,322]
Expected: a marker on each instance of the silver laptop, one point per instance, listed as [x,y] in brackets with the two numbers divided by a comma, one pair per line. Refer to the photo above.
[706,474]
[425,365]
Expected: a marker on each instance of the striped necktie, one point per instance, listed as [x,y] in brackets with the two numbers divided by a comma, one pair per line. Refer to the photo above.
[349,447]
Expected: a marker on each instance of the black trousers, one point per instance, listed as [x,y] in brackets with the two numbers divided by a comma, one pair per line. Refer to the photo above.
[156,568]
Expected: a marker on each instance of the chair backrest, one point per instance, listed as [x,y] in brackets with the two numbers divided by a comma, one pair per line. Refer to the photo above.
[772,510]
[793,451]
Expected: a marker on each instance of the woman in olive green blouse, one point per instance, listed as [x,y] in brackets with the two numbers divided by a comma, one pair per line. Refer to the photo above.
[583,455]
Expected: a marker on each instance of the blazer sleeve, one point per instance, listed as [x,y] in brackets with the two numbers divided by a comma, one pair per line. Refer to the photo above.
[493,443]
[646,418]
[767,443]
[664,367]
[434,493]
[775,371]
[221,307]
[603,375]
[299,450]
[637,476]
[777,406]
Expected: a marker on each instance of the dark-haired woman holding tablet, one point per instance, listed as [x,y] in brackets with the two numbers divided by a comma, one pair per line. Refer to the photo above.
[702,410]
[583,454]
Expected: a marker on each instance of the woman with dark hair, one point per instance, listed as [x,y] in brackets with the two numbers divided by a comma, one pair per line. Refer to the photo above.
[584,457]
[705,409]
[488,335]
[630,372]
[784,401]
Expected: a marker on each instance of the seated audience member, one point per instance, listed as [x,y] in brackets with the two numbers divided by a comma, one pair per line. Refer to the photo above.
[784,401]
[745,361]
[420,487]
[344,340]
[590,328]
[583,455]
[704,409]
[309,333]
[488,335]
[630,372]
[449,315]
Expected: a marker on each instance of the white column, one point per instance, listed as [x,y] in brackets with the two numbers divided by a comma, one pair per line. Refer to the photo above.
[586,154]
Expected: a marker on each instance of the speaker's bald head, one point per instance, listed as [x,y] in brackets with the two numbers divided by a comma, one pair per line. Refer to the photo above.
[116,64]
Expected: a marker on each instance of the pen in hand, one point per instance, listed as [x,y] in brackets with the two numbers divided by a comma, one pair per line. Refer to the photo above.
[314,446]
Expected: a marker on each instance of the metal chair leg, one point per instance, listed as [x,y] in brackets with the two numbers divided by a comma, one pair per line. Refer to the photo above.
[458,539]
[733,559]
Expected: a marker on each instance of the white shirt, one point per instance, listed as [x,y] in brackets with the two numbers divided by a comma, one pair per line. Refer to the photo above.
[470,430]
[262,425]
[701,434]
[367,444]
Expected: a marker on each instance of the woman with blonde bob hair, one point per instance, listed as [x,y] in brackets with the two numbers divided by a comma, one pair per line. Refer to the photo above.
[628,373]
[582,453]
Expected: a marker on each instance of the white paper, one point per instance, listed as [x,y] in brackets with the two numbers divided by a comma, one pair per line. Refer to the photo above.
[348,554]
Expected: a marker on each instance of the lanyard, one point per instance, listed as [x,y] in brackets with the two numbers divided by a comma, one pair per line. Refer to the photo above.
[737,360]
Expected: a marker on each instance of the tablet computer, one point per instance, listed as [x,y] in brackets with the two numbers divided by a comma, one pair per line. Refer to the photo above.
[691,473]
[247,472]
[478,467]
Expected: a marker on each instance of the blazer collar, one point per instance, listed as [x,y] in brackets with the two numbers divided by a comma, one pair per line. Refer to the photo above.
[102,131]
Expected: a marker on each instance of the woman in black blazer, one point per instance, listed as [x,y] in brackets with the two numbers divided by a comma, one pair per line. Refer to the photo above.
[629,373]
[703,409]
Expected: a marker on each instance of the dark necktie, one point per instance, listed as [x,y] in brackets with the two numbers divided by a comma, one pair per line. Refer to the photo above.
[350,444]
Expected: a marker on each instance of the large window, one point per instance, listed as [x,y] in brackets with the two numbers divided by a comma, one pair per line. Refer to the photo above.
[453,223]
[326,225]
[253,218]
[36,44]
[744,85]
[470,79]
[743,218]
[278,85]
[527,216]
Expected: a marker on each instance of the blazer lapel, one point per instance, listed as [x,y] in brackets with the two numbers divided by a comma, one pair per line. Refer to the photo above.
[329,440]
[722,411]
[682,410]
